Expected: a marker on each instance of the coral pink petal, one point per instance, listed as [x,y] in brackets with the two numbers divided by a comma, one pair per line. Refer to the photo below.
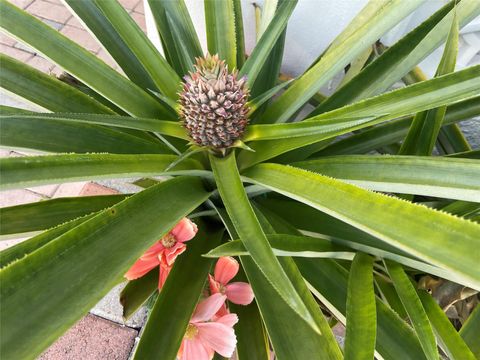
[208,307]
[169,255]
[185,230]
[195,350]
[228,320]
[239,293]
[164,271]
[214,288]
[219,337]
[153,251]
[225,269]
[140,268]
[223,311]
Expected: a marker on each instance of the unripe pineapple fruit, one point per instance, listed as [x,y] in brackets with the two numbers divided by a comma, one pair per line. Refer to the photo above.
[213,104]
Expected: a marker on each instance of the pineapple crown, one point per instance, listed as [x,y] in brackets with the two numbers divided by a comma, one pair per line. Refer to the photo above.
[213,104]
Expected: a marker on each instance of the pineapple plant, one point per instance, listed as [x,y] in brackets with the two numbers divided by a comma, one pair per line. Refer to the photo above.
[268,211]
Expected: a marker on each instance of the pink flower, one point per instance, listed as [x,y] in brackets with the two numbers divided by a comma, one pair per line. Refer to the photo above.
[239,293]
[204,337]
[164,252]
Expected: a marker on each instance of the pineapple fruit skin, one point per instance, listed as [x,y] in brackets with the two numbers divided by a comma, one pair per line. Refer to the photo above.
[213,104]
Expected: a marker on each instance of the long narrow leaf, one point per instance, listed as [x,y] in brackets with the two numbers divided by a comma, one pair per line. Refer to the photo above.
[250,232]
[328,281]
[356,66]
[360,20]
[440,177]
[4,109]
[168,40]
[163,127]
[239,33]
[408,228]
[315,222]
[470,330]
[103,30]
[252,340]
[462,208]
[446,333]
[157,67]
[179,40]
[443,90]
[259,55]
[414,308]
[450,137]
[321,226]
[440,91]
[361,314]
[284,336]
[325,246]
[287,245]
[37,170]
[79,62]
[220,24]
[123,232]
[425,127]
[46,133]
[389,133]
[269,74]
[326,339]
[44,90]
[281,332]
[398,60]
[46,214]
[266,14]
[257,102]
[320,245]
[472,154]
[26,247]
[389,295]
[77,84]
[330,64]
[451,140]
[137,292]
